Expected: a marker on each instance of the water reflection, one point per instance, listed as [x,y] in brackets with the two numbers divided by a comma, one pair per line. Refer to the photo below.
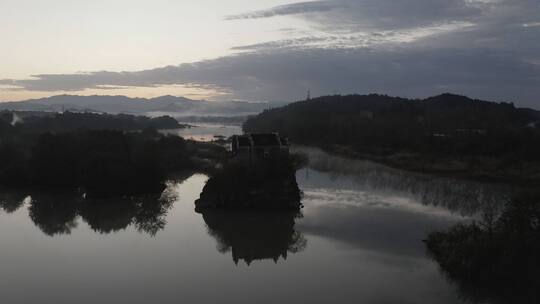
[11,201]
[150,216]
[252,235]
[373,207]
[365,245]
[464,197]
[205,131]
[108,217]
[59,214]
[54,215]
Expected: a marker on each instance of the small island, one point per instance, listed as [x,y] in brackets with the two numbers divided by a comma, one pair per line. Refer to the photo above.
[260,175]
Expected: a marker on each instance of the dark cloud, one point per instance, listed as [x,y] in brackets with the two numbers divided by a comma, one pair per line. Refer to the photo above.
[287,74]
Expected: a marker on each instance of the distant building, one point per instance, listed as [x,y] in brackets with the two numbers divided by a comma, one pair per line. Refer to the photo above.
[256,146]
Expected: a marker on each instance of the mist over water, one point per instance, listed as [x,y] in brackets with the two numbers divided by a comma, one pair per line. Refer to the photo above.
[411,190]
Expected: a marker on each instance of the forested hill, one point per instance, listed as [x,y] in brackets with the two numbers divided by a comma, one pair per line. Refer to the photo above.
[39,122]
[444,126]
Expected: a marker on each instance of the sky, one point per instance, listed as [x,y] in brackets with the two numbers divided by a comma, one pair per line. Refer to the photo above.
[271,50]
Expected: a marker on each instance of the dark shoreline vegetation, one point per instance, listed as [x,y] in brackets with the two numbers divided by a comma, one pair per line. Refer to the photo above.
[76,152]
[497,259]
[447,134]
[69,121]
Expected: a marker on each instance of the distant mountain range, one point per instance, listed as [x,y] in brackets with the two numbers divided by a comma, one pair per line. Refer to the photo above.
[171,105]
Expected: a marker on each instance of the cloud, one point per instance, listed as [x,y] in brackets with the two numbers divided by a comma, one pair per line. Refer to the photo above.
[185,74]
[357,40]
[289,9]
[532,24]
[353,15]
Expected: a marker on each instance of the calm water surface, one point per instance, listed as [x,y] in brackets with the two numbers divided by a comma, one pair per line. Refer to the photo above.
[205,131]
[358,240]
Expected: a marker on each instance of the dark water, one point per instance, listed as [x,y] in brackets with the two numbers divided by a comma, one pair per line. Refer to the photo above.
[358,240]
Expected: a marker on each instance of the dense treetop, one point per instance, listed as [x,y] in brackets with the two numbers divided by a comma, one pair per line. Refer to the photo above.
[444,124]
[67,121]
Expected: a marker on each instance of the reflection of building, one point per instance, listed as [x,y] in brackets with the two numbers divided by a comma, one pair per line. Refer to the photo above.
[259,145]
[252,235]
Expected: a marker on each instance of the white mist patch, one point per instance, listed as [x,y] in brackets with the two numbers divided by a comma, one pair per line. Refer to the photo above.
[27,200]
[16,120]
[337,197]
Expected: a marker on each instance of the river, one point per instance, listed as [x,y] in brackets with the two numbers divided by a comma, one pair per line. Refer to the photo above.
[358,239]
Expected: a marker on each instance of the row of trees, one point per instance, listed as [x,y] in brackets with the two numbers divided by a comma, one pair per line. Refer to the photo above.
[64,122]
[100,163]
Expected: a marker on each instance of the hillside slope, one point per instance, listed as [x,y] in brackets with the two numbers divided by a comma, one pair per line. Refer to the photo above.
[445,133]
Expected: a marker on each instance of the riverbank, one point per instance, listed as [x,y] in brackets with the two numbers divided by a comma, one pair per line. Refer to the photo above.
[446,134]
[102,163]
[483,169]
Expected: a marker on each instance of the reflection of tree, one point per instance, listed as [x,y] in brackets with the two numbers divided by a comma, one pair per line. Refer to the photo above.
[255,235]
[107,217]
[496,260]
[11,202]
[465,197]
[150,215]
[53,215]
[58,216]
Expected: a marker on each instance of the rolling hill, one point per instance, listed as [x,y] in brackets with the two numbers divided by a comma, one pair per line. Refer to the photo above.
[445,133]
[176,106]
